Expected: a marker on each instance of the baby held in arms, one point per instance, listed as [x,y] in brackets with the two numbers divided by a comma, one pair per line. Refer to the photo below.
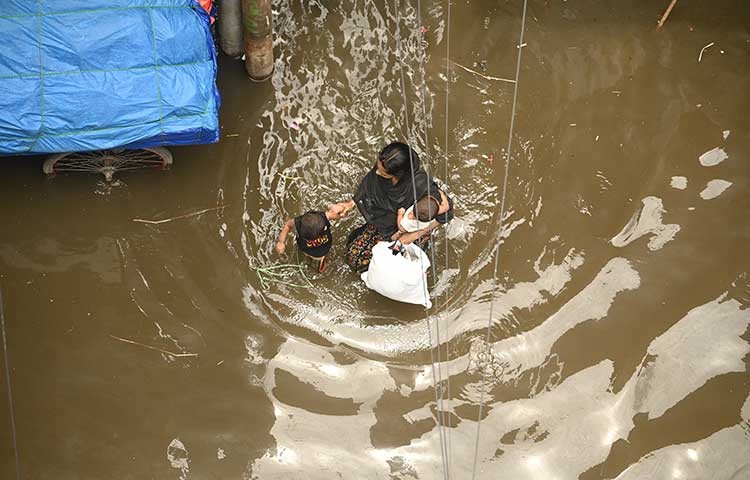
[421,214]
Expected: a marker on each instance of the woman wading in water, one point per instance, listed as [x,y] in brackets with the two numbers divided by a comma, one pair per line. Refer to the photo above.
[385,189]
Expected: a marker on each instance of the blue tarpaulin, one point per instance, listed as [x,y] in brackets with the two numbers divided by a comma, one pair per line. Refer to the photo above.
[81,75]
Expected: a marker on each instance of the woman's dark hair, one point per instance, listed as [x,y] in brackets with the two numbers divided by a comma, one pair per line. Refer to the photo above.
[395,159]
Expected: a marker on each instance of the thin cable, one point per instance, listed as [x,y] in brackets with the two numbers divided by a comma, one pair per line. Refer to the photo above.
[436,320]
[499,231]
[438,341]
[445,180]
[10,391]
[435,382]
[447,95]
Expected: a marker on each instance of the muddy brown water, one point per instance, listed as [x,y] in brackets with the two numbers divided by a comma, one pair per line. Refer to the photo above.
[619,342]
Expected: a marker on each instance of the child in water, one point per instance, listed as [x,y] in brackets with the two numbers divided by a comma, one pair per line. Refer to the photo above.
[313,231]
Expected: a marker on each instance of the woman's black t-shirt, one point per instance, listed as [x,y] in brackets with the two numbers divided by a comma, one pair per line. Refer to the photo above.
[378,199]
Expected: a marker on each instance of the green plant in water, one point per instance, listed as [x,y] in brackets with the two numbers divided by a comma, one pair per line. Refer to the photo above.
[285,274]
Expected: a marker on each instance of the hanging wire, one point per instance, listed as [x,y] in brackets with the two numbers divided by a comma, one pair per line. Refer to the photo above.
[499,230]
[447,390]
[438,340]
[435,371]
[10,391]
[447,96]
[445,181]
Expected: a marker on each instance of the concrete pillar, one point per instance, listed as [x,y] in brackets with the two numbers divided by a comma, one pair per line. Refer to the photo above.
[257,26]
[230,28]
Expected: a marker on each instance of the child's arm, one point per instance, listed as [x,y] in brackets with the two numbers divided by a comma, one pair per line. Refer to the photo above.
[410,237]
[281,243]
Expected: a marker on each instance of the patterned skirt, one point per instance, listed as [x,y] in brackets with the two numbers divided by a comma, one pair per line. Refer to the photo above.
[359,246]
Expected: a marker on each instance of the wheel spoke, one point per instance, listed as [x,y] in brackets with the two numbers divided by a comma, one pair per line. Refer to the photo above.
[73,169]
[136,167]
[112,160]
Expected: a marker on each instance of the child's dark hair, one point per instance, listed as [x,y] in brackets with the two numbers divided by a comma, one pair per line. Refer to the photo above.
[426,208]
[311,225]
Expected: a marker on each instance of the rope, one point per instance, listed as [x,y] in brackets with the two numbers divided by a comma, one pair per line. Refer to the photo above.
[438,400]
[10,392]
[499,230]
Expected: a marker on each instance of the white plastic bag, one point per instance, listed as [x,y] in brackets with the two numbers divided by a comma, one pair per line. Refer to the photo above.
[399,277]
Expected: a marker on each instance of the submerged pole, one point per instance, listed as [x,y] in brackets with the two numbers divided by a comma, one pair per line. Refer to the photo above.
[230,28]
[257,27]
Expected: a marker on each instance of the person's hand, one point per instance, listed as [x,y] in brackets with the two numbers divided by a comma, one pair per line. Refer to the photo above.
[347,207]
[337,210]
[334,212]
[444,205]
[399,219]
[396,235]
[280,247]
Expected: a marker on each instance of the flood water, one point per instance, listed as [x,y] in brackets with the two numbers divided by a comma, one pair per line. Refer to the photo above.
[619,341]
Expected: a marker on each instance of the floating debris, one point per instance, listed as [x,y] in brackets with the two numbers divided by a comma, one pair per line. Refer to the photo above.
[488,77]
[166,352]
[187,215]
[700,55]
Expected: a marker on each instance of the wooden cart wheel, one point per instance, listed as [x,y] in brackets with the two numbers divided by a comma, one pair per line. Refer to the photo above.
[108,162]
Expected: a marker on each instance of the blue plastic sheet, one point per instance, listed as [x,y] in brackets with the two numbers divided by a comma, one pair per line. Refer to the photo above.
[81,75]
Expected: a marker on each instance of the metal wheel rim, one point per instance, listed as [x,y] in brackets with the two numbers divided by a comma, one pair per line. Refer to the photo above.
[108,162]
